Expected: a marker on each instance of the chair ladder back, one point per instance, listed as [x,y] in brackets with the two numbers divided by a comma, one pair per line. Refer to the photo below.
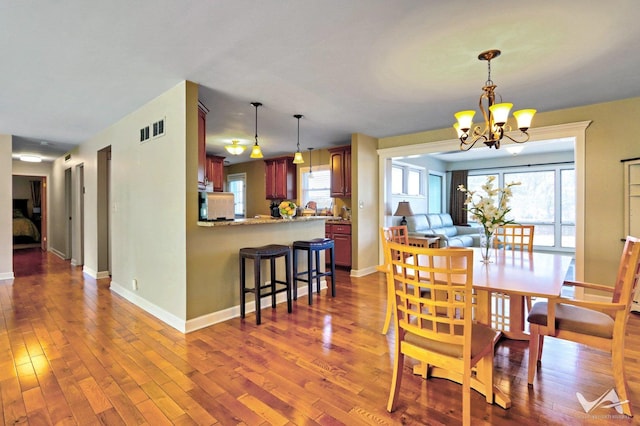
[397,234]
[628,272]
[515,237]
[433,292]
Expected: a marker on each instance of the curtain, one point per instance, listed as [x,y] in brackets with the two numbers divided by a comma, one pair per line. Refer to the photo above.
[456,204]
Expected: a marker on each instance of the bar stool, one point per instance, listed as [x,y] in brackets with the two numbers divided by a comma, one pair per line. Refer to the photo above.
[270,252]
[313,249]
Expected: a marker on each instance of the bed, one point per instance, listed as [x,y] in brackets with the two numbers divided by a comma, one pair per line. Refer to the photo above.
[24,230]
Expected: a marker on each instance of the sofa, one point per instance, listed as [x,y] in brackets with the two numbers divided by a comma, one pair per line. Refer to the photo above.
[441,225]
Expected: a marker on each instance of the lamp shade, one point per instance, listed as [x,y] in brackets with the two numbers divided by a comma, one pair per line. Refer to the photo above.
[465,119]
[404,209]
[256,152]
[234,148]
[500,112]
[524,117]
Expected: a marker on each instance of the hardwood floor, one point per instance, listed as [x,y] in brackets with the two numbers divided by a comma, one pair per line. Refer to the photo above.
[72,352]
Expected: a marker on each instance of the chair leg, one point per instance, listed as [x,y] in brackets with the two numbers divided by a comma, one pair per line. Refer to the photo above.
[333,273]
[310,275]
[272,264]
[396,378]
[256,289]
[242,287]
[387,317]
[534,350]
[288,281]
[466,399]
[617,360]
[317,256]
[295,274]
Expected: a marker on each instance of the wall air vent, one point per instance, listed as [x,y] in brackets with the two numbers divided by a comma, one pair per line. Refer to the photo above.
[144,134]
[67,157]
[158,128]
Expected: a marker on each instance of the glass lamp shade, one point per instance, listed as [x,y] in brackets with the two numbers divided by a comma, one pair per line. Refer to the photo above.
[234,148]
[465,119]
[500,112]
[524,117]
[256,152]
[458,131]
[297,158]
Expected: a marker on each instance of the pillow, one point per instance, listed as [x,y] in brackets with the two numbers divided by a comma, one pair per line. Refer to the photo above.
[17,213]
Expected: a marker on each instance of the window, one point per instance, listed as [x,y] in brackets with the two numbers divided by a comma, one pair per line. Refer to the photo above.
[407,179]
[436,192]
[316,186]
[545,198]
[236,184]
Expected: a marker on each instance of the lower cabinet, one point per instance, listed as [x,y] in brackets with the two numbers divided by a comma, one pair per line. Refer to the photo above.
[341,236]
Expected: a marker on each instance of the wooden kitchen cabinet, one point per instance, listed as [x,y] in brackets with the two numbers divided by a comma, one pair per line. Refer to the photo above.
[340,161]
[215,172]
[341,236]
[280,178]
[202,146]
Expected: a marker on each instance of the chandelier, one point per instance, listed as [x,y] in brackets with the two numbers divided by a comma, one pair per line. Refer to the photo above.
[235,148]
[256,152]
[495,116]
[297,157]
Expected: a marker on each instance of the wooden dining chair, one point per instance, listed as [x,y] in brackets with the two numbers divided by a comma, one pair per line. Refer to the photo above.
[514,237]
[397,234]
[518,238]
[432,305]
[598,324]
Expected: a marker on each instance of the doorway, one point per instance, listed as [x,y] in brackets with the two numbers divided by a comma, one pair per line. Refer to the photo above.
[237,183]
[103,213]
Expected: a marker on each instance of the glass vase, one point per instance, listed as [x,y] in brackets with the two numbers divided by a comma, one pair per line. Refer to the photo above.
[486,244]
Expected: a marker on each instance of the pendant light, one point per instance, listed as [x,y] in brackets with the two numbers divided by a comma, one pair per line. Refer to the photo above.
[256,152]
[297,158]
[310,166]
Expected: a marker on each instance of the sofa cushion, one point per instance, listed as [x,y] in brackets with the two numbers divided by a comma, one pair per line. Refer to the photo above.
[441,224]
[418,223]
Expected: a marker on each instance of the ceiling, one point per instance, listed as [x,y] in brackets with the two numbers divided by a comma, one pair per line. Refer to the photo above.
[72,68]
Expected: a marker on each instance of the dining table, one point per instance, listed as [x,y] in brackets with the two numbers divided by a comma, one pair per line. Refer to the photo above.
[503,283]
[500,287]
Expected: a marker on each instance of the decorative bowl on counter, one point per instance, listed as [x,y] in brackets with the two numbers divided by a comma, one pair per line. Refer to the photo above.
[288,209]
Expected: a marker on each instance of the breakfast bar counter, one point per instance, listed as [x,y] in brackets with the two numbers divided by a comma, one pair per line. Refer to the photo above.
[213,259]
[262,220]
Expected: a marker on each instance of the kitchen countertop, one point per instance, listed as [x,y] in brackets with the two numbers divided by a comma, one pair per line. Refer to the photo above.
[264,220]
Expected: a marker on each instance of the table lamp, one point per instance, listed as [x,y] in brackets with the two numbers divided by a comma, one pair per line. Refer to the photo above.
[404,210]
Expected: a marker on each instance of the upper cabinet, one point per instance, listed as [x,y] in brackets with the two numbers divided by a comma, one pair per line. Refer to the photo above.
[340,160]
[280,178]
[215,172]
[202,145]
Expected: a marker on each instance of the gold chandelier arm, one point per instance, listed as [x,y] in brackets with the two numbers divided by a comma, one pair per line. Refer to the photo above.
[517,141]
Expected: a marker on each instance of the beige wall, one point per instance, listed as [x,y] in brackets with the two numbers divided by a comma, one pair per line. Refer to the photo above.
[607,142]
[148,205]
[6,205]
[365,202]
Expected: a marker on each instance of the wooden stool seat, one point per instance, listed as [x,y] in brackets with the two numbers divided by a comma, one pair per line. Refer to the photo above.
[313,248]
[269,252]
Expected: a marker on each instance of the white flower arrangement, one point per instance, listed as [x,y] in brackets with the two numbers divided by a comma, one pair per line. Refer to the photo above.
[489,210]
